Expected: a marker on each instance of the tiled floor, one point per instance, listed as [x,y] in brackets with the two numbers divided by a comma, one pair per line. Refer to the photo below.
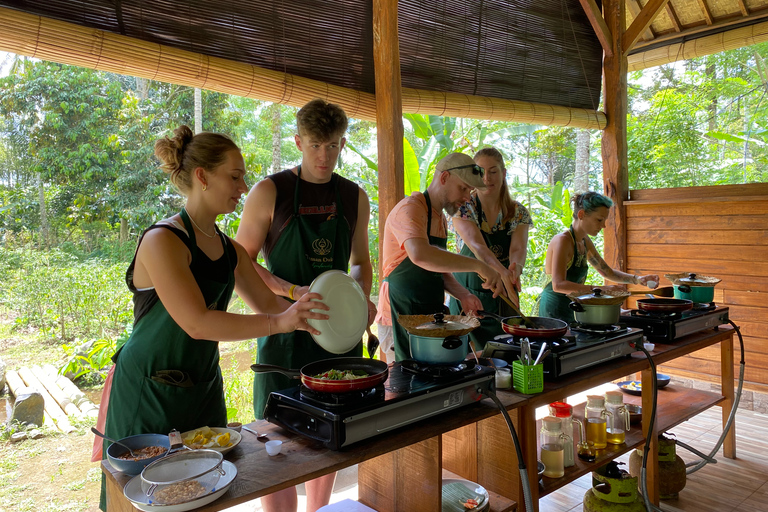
[739,485]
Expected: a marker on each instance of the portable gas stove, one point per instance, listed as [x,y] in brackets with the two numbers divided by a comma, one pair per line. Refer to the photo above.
[579,348]
[412,392]
[667,327]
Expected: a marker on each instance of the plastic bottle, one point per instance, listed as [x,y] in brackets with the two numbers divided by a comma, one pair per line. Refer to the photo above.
[564,411]
[619,425]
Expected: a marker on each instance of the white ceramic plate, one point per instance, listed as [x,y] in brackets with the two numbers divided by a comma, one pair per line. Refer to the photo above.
[348,314]
[476,488]
[133,492]
[234,438]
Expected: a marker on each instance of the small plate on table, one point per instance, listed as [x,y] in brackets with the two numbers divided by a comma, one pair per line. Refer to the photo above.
[454,496]
[234,439]
[348,313]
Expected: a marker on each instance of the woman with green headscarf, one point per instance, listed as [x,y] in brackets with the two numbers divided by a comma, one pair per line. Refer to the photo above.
[569,252]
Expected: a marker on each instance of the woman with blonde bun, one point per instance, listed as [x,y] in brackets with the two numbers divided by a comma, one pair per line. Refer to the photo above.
[185,269]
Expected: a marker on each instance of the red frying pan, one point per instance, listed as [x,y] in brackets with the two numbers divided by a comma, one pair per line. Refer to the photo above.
[544,327]
[377,371]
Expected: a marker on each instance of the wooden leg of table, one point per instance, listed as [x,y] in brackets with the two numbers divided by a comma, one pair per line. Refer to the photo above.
[527,433]
[406,479]
[726,378]
[652,465]
[116,500]
[496,460]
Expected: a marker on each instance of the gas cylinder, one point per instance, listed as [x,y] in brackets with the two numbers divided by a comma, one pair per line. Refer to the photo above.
[613,490]
[671,467]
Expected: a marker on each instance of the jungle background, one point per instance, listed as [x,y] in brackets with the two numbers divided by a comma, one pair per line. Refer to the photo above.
[79,184]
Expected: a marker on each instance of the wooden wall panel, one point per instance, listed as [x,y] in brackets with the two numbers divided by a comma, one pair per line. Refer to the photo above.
[720,231]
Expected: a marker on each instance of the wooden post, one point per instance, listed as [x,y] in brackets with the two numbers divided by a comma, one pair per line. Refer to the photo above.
[389,109]
[614,142]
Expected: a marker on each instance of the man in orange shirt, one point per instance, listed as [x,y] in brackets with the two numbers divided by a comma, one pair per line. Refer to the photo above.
[417,269]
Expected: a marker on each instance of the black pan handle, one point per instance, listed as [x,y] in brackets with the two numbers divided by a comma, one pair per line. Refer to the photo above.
[684,288]
[576,307]
[452,342]
[268,368]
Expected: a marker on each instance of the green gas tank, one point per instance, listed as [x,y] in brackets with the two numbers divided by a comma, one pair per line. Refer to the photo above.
[671,467]
[613,490]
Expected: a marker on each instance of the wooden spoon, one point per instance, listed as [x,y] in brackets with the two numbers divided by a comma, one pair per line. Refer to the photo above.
[664,291]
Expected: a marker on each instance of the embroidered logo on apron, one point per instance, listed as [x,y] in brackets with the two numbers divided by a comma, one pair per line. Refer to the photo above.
[497,251]
[322,246]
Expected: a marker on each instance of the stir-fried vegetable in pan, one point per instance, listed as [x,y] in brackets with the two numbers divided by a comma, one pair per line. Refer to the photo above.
[333,374]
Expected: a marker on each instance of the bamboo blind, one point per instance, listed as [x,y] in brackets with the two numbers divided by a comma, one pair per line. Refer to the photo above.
[58,41]
[707,45]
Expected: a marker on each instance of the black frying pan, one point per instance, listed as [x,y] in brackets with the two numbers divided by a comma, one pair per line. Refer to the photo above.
[377,371]
[665,305]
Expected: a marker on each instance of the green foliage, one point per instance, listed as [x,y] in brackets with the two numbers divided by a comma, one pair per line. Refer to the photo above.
[91,360]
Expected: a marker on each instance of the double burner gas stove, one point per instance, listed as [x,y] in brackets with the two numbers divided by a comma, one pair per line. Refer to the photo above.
[411,393]
[667,327]
[579,348]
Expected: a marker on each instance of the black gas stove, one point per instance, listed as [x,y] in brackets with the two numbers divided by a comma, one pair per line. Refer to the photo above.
[581,347]
[412,392]
[667,327]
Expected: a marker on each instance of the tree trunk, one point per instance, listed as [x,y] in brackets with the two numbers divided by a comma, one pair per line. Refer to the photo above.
[198,110]
[581,176]
[142,86]
[44,228]
[123,230]
[276,137]
[710,72]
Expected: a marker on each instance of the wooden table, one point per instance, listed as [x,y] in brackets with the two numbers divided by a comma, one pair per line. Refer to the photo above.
[402,470]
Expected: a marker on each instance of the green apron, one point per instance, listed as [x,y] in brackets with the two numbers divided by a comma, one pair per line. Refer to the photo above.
[414,291]
[499,243]
[303,252]
[164,379]
[555,305]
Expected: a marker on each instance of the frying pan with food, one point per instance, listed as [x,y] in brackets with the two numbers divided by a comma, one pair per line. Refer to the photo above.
[377,371]
[543,327]
[664,305]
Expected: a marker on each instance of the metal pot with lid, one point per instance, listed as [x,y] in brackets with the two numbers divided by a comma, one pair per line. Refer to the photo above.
[693,287]
[438,338]
[597,308]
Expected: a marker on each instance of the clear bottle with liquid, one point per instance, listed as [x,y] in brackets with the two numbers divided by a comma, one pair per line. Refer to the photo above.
[553,442]
[564,411]
[619,415]
[596,418]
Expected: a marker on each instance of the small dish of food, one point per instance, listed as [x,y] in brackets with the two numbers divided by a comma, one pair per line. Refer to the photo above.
[211,438]
[635,387]
[635,413]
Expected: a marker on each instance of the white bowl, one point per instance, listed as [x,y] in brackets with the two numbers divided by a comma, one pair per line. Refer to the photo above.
[273,447]
[649,346]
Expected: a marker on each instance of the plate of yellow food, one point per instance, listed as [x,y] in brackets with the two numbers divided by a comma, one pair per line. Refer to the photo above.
[211,438]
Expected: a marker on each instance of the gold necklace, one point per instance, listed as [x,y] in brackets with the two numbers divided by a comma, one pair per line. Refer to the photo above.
[198,227]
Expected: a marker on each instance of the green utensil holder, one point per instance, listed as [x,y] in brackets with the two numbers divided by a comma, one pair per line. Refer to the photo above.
[528,379]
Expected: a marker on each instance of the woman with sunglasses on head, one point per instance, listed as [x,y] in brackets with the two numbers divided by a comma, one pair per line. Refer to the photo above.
[569,254]
[493,228]
[185,269]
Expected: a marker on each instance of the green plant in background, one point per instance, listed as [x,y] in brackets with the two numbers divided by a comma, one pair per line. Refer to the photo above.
[238,391]
[90,360]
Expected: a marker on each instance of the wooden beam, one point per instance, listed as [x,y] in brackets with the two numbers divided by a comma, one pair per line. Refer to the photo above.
[635,9]
[642,22]
[705,11]
[68,43]
[707,45]
[673,18]
[614,139]
[743,8]
[595,18]
[389,110]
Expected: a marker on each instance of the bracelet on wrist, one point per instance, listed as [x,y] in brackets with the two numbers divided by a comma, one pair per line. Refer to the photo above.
[290,292]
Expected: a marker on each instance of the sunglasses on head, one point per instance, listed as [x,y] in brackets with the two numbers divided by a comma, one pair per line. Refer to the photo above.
[476,169]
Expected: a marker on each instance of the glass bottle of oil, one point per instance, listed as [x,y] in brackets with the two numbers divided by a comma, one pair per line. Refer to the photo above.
[564,411]
[619,424]
[596,418]
[553,442]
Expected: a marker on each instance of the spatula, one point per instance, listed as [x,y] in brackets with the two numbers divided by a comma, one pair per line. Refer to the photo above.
[664,291]
[527,322]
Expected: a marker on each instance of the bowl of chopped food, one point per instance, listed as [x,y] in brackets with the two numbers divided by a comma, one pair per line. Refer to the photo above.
[146,448]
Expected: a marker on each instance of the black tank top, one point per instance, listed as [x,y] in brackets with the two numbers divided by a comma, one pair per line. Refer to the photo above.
[203,266]
[317,202]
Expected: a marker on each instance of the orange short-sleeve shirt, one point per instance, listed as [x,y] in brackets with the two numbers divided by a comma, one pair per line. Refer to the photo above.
[407,220]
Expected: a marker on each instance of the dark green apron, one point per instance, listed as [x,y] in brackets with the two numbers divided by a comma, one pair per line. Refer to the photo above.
[414,291]
[303,252]
[555,305]
[498,243]
[144,398]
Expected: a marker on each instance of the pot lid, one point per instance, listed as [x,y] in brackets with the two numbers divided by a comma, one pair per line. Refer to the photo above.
[599,298]
[438,325]
[692,279]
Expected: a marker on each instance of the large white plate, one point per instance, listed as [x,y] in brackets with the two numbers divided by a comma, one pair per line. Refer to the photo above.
[476,488]
[133,492]
[348,316]
[234,438]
